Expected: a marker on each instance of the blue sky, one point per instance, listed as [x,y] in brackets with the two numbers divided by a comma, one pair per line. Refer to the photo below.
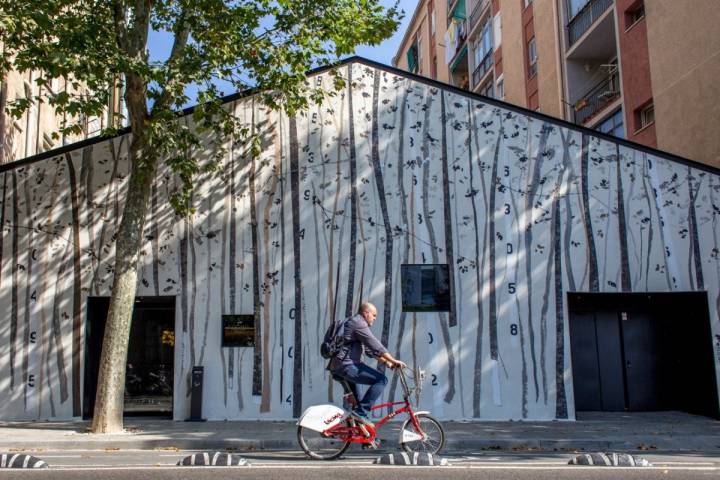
[159,44]
[384,52]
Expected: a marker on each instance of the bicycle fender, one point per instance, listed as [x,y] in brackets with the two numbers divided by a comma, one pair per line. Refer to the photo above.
[321,417]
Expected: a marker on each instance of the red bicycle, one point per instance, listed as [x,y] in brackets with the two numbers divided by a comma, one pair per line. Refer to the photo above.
[326,431]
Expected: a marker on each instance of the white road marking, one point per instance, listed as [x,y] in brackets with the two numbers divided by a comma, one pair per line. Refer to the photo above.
[381,467]
[58,456]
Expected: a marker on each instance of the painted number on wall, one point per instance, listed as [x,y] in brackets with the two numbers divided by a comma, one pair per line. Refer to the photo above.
[513,329]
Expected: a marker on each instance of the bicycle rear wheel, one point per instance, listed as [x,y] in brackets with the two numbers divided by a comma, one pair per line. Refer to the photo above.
[432,439]
[318,446]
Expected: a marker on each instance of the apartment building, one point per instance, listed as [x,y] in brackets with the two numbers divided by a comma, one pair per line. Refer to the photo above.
[641,70]
[421,50]
[33,133]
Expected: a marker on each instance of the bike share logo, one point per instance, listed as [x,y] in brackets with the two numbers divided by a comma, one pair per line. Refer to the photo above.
[333,418]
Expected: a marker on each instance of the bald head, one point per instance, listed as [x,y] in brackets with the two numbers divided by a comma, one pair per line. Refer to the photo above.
[368,312]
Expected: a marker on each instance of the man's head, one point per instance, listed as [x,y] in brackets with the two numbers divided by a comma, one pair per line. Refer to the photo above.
[368,312]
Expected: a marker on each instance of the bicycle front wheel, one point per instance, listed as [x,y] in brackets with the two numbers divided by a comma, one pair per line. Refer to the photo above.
[320,447]
[430,440]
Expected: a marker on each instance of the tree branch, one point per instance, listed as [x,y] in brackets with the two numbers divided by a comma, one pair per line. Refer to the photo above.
[182,34]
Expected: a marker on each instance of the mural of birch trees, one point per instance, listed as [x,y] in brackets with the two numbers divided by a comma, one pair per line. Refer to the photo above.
[321,214]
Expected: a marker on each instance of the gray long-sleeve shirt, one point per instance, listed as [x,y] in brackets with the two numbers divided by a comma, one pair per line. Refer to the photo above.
[359,340]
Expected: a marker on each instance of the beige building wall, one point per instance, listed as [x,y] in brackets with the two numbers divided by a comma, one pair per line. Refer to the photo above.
[513,52]
[420,25]
[550,89]
[684,49]
[32,133]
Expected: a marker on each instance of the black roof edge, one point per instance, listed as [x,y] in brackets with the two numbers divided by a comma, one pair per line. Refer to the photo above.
[412,76]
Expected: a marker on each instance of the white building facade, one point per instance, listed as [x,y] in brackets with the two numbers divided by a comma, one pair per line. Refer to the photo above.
[507,254]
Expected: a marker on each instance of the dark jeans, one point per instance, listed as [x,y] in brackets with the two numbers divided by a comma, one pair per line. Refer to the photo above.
[361,374]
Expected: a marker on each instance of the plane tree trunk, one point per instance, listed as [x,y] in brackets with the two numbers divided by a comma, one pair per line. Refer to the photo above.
[108,414]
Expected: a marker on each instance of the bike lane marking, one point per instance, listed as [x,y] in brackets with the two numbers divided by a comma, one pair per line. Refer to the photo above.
[386,467]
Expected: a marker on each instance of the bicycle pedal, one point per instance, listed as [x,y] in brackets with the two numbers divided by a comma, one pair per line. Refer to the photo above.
[374,445]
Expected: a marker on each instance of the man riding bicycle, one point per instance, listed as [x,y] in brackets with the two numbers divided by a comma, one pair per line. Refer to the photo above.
[347,364]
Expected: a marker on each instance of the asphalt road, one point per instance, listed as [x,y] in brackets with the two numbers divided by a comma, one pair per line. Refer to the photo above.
[160,464]
[364,472]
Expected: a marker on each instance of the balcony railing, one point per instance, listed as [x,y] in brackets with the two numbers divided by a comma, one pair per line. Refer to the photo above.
[477,13]
[601,95]
[482,68]
[584,19]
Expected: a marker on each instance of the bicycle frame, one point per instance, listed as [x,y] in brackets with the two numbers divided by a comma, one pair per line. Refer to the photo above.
[351,431]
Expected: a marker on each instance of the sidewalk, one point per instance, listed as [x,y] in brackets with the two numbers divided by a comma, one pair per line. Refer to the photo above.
[649,432]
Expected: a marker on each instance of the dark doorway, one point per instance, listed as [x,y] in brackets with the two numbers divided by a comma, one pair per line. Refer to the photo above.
[149,372]
[642,352]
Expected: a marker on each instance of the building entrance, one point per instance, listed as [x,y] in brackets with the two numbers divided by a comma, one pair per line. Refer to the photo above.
[642,352]
[149,372]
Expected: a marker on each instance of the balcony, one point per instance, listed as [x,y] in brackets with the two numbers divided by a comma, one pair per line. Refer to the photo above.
[459,42]
[599,97]
[585,18]
[482,69]
[477,13]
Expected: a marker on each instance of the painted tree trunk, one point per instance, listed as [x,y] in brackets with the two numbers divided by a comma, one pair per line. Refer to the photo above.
[380,185]
[353,201]
[295,201]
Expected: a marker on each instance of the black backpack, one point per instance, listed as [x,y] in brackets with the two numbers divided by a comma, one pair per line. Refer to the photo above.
[334,339]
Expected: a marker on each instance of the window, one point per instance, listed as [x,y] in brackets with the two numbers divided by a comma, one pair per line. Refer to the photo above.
[238,331]
[425,288]
[412,58]
[487,89]
[645,116]
[527,3]
[613,125]
[575,6]
[532,57]
[47,143]
[432,23]
[500,89]
[483,44]
[634,14]
[418,43]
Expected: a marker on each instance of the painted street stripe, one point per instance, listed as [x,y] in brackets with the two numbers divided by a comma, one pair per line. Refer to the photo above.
[385,467]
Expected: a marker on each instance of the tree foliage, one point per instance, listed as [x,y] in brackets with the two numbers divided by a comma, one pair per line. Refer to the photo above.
[98,45]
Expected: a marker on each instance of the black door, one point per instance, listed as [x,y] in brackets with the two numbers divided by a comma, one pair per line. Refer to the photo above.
[642,352]
[149,372]
[642,361]
[586,372]
[597,363]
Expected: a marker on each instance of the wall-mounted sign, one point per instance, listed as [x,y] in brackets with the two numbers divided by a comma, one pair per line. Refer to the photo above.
[425,288]
[238,330]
